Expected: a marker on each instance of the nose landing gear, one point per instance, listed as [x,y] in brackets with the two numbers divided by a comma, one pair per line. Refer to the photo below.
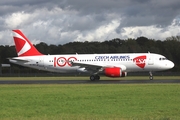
[151,76]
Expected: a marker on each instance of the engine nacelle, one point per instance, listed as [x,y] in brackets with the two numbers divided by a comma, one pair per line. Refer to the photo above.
[114,72]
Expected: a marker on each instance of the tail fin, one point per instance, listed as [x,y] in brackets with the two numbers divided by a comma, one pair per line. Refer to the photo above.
[23,45]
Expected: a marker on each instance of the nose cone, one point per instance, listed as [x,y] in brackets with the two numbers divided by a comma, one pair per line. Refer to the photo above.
[165,65]
[169,64]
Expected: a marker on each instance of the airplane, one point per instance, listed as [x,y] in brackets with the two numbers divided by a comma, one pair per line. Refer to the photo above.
[111,65]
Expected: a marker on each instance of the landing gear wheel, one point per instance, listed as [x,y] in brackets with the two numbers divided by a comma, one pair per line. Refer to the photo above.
[97,77]
[94,77]
[150,77]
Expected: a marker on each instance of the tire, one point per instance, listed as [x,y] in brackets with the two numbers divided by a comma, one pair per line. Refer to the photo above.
[92,77]
[97,77]
[150,77]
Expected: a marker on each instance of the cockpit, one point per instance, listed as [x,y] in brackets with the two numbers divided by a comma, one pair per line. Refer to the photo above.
[163,59]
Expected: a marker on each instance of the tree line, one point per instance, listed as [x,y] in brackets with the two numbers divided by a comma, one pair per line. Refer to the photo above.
[169,48]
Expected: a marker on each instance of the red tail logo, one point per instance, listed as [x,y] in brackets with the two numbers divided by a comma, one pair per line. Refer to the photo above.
[140,61]
[23,45]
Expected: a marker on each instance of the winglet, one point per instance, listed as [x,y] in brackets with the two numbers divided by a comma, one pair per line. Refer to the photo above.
[23,46]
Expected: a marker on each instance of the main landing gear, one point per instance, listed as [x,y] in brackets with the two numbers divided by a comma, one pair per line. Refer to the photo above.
[94,77]
[151,76]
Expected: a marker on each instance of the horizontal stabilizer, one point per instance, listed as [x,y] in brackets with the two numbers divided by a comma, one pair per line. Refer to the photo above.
[14,60]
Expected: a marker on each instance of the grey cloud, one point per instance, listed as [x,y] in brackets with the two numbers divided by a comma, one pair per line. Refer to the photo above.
[154,11]
[61,21]
[134,12]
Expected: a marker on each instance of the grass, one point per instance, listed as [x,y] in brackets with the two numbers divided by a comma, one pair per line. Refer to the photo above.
[87,78]
[84,101]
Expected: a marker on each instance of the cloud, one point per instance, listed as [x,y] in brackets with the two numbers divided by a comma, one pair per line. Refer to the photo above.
[65,21]
[102,33]
[17,19]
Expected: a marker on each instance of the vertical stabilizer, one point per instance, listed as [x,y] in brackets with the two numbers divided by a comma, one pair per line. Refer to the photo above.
[23,46]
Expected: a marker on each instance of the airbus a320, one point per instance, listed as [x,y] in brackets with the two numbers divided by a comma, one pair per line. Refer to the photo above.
[111,65]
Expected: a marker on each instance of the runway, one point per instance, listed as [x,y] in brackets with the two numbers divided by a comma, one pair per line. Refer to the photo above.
[87,81]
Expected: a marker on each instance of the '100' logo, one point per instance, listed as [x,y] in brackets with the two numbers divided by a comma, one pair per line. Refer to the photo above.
[62,61]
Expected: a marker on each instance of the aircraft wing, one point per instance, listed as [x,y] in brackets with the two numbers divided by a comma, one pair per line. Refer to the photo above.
[91,67]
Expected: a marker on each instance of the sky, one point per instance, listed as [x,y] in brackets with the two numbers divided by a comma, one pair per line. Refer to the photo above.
[62,21]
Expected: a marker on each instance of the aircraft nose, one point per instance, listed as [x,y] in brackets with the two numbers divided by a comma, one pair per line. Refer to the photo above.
[170,64]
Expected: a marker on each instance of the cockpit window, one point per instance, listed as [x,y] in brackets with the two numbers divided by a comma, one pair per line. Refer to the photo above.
[162,58]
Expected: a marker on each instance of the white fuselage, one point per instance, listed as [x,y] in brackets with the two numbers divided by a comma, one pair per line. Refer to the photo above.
[128,62]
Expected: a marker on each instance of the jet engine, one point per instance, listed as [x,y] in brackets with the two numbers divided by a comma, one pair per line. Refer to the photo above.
[114,72]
